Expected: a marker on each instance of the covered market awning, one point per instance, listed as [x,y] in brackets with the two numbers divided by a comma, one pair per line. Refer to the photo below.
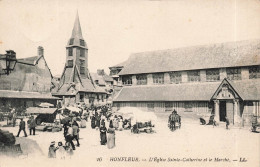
[37,110]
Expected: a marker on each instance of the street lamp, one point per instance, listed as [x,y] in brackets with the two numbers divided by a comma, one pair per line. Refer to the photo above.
[8,62]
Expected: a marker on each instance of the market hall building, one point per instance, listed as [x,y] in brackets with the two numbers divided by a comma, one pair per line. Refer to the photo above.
[220,79]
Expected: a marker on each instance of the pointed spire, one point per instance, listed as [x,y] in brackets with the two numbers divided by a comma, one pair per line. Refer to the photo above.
[76,32]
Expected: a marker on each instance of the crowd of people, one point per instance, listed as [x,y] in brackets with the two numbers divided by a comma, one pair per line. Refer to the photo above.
[101,120]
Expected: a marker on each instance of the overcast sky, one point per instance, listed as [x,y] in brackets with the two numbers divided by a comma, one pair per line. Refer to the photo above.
[115,29]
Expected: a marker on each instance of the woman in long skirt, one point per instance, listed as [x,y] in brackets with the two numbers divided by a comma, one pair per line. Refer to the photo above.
[111,137]
[103,134]
[93,122]
[98,121]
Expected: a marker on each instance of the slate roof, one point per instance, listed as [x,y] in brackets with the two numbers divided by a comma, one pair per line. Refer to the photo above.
[119,65]
[231,54]
[108,78]
[32,61]
[25,95]
[70,76]
[247,90]
[100,78]
[76,34]
[29,60]
[179,92]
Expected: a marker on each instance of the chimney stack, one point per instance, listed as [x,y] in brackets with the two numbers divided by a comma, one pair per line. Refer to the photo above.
[40,51]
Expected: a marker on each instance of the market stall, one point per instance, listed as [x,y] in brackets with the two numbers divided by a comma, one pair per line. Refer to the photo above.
[142,121]
[45,119]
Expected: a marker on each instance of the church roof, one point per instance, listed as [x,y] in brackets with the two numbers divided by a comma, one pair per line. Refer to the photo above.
[76,38]
[231,54]
[76,32]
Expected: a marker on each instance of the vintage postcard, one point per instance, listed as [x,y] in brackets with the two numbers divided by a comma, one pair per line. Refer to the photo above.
[130,83]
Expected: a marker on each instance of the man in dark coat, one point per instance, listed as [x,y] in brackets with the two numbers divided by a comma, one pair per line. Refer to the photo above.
[32,125]
[22,127]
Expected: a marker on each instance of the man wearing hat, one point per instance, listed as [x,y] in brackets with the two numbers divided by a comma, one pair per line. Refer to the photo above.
[22,127]
[32,125]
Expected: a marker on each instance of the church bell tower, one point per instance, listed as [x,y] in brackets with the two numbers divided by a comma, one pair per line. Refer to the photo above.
[77,50]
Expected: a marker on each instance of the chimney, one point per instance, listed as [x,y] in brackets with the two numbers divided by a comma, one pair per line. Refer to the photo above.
[40,51]
[100,72]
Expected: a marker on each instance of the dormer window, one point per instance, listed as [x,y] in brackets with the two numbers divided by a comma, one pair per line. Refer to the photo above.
[71,41]
[82,43]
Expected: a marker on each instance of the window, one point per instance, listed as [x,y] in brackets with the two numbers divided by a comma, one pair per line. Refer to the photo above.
[254,72]
[212,75]
[70,52]
[175,77]
[71,41]
[82,43]
[70,63]
[193,76]
[141,79]
[81,97]
[158,78]
[234,73]
[82,70]
[82,52]
[127,80]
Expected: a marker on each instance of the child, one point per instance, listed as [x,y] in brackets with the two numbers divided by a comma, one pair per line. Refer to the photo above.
[61,151]
[52,150]
[68,149]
